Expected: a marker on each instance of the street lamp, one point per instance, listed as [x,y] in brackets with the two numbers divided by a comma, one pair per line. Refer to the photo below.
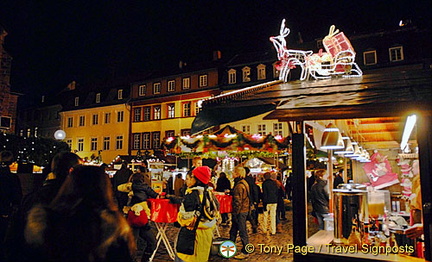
[59,134]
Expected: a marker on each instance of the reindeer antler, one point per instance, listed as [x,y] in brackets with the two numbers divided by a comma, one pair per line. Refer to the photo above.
[284,31]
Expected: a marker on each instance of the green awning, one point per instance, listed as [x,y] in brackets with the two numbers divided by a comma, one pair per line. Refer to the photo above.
[213,116]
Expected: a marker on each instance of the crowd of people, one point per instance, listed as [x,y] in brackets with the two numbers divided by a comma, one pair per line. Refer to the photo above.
[80,214]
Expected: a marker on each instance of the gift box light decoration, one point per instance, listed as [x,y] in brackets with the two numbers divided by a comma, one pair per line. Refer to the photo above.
[339,58]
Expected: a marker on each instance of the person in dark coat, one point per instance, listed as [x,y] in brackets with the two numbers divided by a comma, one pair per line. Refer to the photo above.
[82,223]
[288,187]
[270,199]
[61,165]
[141,192]
[10,197]
[120,177]
[254,195]
[223,185]
[320,196]
[198,197]
[338,179]
[280,211]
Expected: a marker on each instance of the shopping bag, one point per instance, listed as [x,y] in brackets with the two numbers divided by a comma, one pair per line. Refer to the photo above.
[137,221]
[187,239]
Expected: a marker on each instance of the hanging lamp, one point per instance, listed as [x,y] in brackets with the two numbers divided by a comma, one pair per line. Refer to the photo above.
[357,151]
[332,138]
[349,149]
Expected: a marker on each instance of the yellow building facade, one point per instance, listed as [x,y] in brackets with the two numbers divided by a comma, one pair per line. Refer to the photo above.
[98,132]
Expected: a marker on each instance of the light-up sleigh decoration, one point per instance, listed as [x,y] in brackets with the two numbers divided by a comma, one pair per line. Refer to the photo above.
[339,58]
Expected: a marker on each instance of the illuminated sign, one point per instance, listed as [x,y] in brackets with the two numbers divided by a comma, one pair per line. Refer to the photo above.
[338,58]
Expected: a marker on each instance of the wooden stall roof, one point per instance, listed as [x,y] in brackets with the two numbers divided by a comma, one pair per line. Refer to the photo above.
[384,95]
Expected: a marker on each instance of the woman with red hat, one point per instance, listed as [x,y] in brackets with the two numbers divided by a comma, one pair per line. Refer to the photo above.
[199,211]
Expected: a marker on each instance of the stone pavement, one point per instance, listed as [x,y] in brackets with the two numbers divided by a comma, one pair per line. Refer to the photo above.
[260,254]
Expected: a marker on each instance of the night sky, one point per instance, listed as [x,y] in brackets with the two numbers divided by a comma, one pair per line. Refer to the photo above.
[55,42]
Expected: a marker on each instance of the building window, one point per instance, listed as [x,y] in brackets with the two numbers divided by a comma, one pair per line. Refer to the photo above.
[70,122]
[142,90]
[136,142]
[246,74]
[186,83]
[93,144]
[137,114]
[185,132]
[277,129]
[95,119]
[81,120]
[97,98]
[119,142]
[107,118]
[69,142]
[157,114]
[187,109]
[275,71]
[106,143]
[232,76]
[156,139]
[262,129]
[396,53]
[80,146]
[370,57]
[169,133]
[171,86]
[120,94]
[120,116]
[246,129]
[261,72]
[156,88]
[147,113]
[76,101]
[203,81]
[146,140]
[171,111]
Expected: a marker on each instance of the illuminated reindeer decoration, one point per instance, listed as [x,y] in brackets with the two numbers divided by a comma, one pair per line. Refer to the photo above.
[339,58]
[288,58]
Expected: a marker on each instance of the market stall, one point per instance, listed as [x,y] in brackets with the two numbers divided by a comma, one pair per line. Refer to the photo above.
[229,147]
[373,110]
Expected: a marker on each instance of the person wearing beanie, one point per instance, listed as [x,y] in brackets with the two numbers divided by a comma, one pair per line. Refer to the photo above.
[202,173]
[198,197]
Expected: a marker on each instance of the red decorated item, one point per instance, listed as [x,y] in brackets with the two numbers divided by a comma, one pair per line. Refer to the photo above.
[137,221]
[336,42]
[380,172]
[162,211]
[225,203]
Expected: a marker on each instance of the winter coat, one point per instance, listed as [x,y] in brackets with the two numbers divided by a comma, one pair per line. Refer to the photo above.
[121,176]
[241,193]
[187,218]
[223,184]
[320,197]
[254,189]
[98,235]
[270,192]
[10,192]
[141,192]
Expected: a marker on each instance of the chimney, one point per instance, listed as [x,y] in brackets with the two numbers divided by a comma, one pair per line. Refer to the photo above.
[71,85]
[217,55]
[182,64]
